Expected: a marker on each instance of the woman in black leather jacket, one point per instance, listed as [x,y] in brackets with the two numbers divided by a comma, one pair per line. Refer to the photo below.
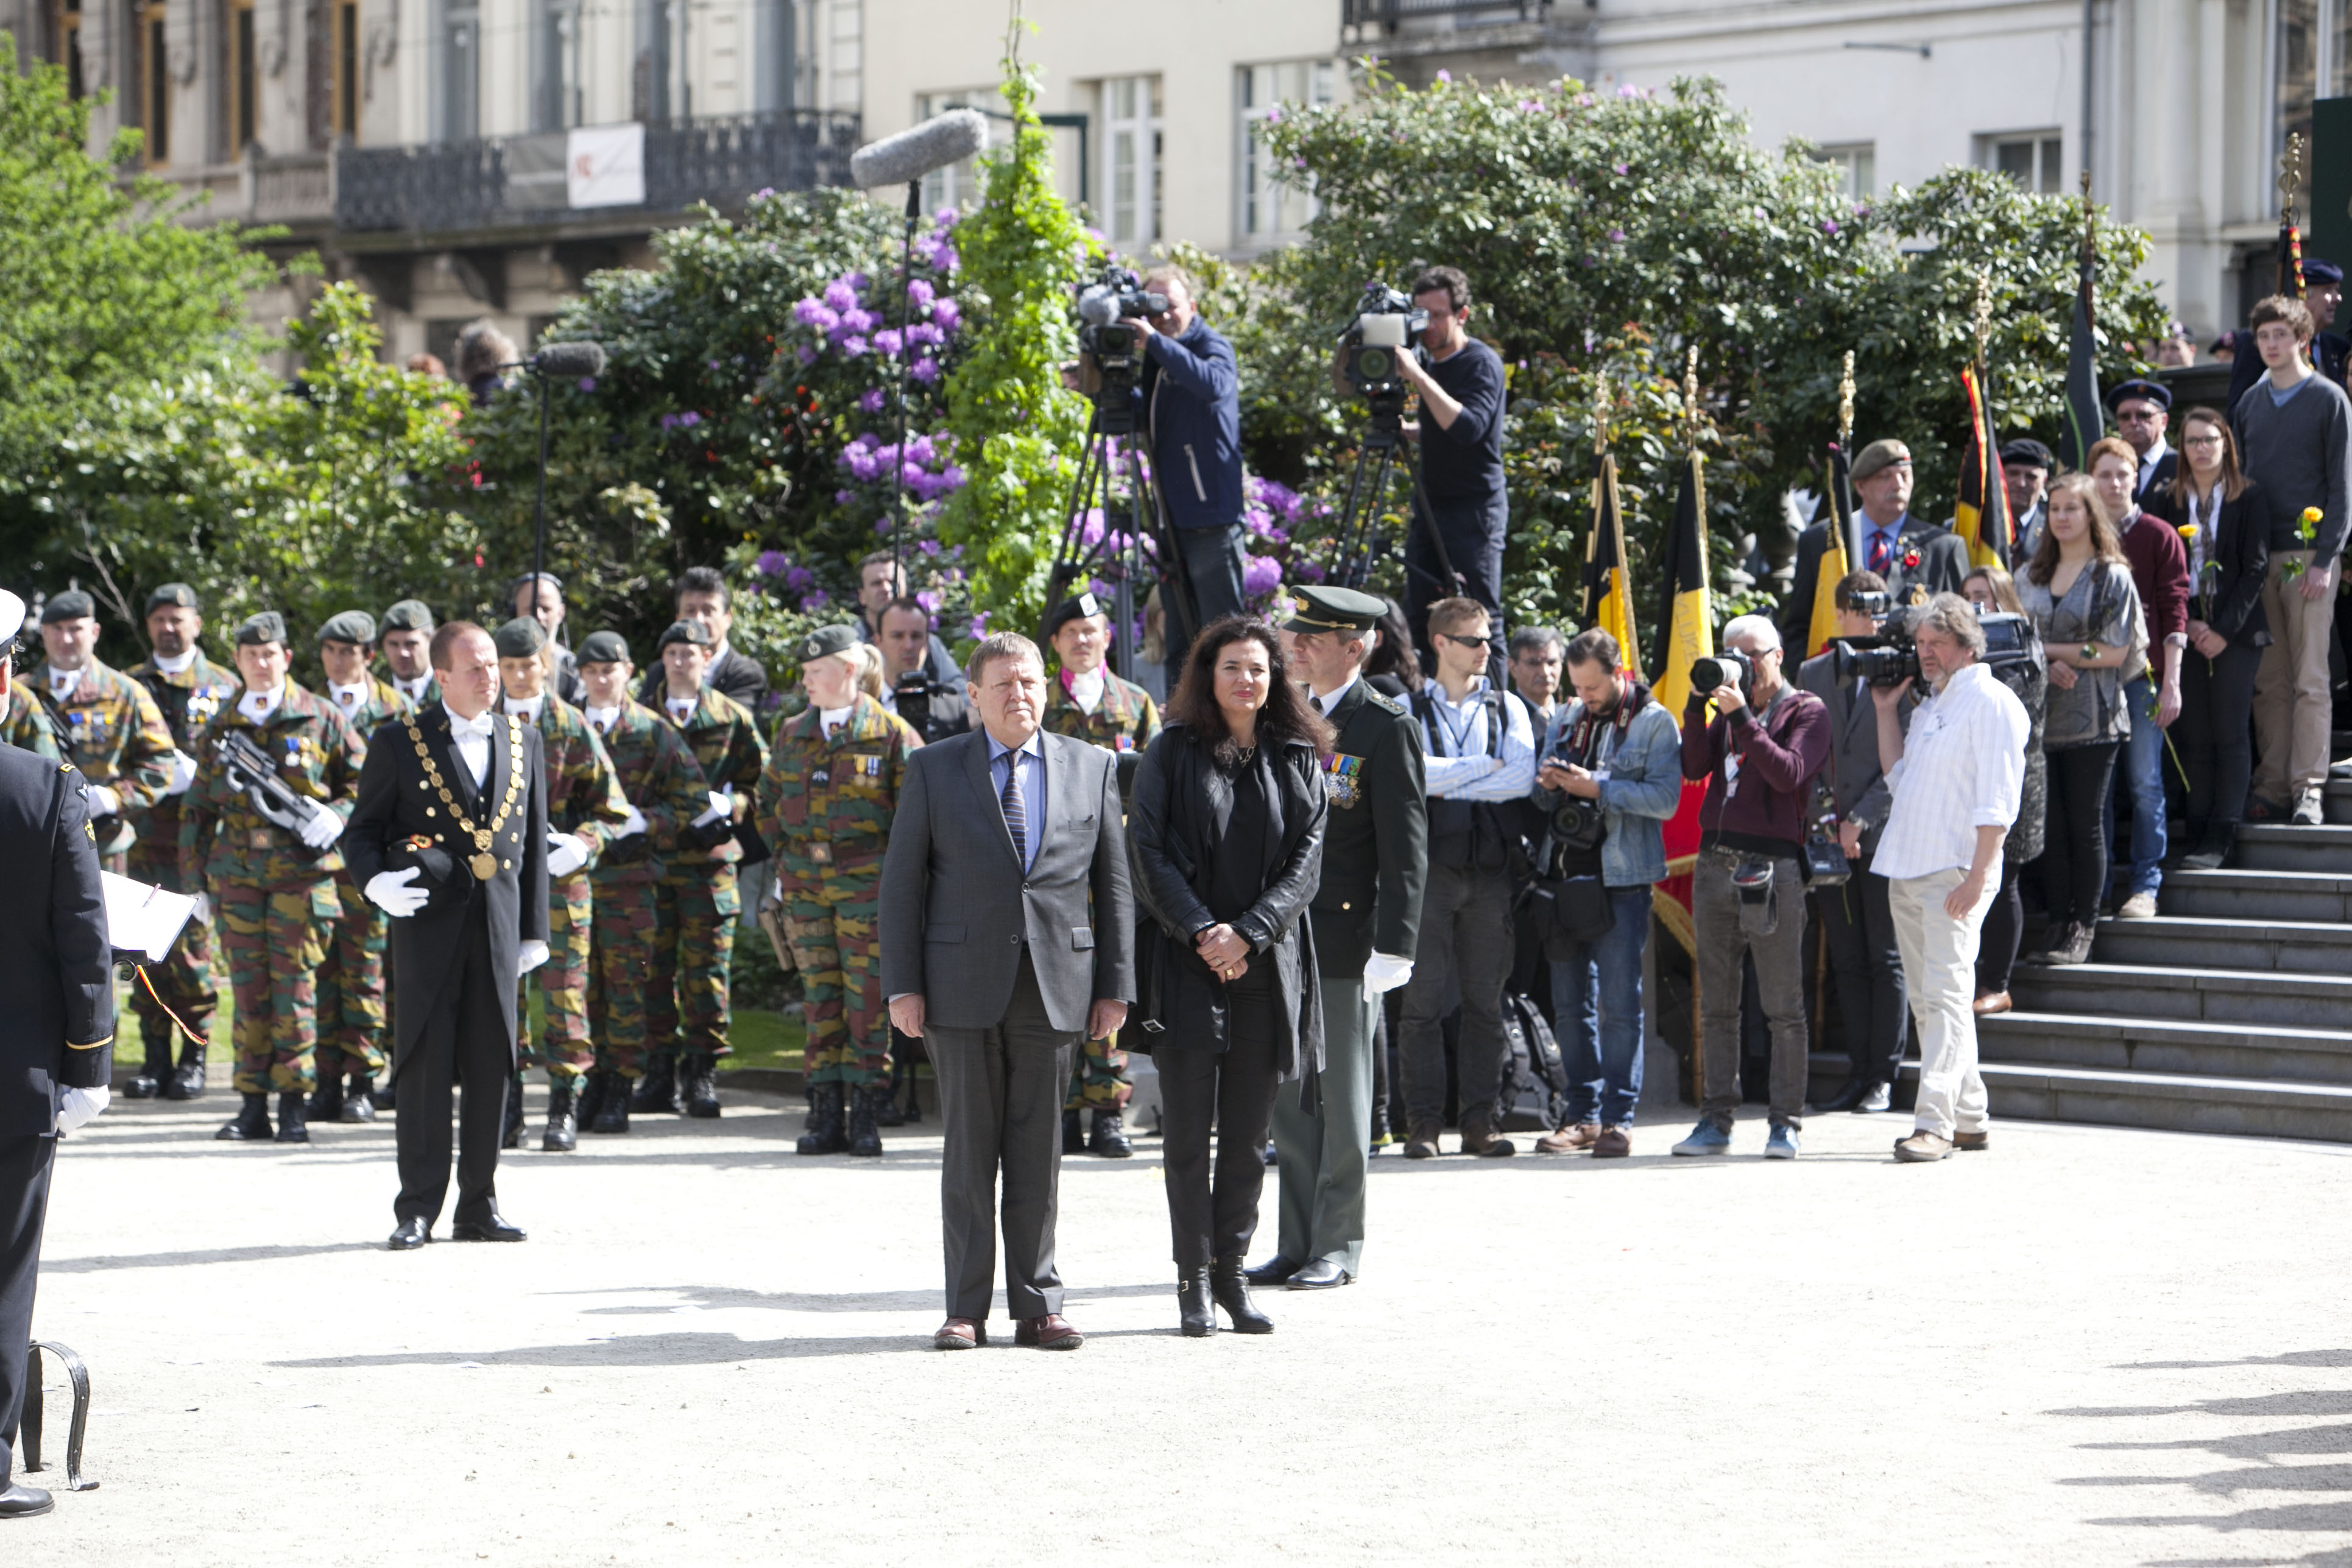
[1226,832]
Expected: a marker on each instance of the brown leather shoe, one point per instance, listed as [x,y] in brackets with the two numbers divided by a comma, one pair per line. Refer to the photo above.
[1972,1143]
[1573,1139]
[1920,1147]
[959,1334]
[1480,1138]
[1997,1002]
[1614,1143]
[1050,1332]
[1421,1143]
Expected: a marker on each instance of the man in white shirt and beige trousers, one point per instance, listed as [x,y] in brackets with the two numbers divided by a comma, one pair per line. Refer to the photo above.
[1955,778]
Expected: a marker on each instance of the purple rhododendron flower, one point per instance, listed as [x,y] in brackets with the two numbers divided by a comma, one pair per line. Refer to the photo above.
[1308,572]
[816,312]
[871,400]
[799,577]
[888,343]
[919,293]
[859,321]
[853,347]
[926,370]
[771,561]
[1445,76]
[1261,576]
[1829,225]
[928,600]
[815,599]
[843,497]
[980,625]
[587,383]
[947,313]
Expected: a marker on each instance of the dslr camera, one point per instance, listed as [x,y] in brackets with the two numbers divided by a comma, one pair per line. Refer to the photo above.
[1110,343]
[1577,822]
[1729,667]
[911,694]
[1386,327]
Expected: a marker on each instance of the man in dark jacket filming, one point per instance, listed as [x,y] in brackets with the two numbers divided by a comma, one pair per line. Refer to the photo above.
[1192,410]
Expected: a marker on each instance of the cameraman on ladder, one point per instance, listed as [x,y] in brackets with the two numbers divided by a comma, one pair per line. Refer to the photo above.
[1192,410]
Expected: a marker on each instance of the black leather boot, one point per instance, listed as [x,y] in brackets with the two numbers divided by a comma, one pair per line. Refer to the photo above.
[701,1086]
[155,1072]
[510,1134]
[292,1127]
[382,1096]
[359,1106]
[613,1108]
[187,1080]
[590,1100]
[886,1104]
[327,1104]
[563,1133]
[825,1134]
[865,1136]
[1195,1314]
[1073,1134]
[1232,1292]
[657,1090]
[1110,1137]
[252,1123]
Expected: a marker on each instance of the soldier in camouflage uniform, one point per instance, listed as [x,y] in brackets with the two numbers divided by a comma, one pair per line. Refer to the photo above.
[698,880]
[114,732]
[825,804]
[407,629]
[26,727]
[585,808]
[662,785]
[1087,702]
[351,1013]
[273,882]
[190,691]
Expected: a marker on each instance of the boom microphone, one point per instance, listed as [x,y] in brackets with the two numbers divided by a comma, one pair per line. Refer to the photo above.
[907,157]
[566,361]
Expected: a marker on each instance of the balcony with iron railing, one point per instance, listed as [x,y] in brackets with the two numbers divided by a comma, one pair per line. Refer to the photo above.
[1391,15]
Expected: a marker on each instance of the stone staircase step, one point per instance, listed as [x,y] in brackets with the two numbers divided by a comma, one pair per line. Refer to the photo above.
[2282,846]
[2176,1102]
[2212,995]
[2183,941]
[2259,1053]
[2335,800]
[2321,897]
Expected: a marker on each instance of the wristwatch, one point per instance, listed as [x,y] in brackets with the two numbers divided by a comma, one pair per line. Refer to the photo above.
[2090,653]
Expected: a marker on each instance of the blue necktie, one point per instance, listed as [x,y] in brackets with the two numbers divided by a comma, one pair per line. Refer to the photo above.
[1016,813]
[1880,549]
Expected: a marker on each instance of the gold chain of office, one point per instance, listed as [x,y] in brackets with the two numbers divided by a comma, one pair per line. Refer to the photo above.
[484,865]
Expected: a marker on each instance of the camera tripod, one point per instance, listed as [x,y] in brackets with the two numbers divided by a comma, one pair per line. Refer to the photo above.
[1384,449]
[1121,563]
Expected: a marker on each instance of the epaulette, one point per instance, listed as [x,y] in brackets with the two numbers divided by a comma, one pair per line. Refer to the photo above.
[1381,699]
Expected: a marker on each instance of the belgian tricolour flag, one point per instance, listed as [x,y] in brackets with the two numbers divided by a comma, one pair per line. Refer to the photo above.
[1608,585]
[1981,518]
[1838,511]
[1686,633]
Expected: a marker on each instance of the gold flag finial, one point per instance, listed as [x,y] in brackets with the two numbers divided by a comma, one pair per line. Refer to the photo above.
[1690,388]
[2290,178]
[1599,412]
[1984,313]
[1845,400]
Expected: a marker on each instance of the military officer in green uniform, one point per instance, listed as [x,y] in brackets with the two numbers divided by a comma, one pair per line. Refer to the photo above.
[407,629]
[351,1015]
[662,786]
[584,809]
[190,691]
[114,732]
[687,984]
[1087,702]
[1367,916]
[26,727]
[269,870]
[827,799]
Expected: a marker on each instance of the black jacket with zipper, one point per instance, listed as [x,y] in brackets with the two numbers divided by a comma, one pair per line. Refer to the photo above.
[1193,407]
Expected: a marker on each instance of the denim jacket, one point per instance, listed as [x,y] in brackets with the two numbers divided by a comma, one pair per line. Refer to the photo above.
[1643,789]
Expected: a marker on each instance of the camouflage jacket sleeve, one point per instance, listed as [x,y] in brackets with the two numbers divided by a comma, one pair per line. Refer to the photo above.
[675,790]
[747,757]
[146,752]
[346,751]
[23,725]
[200,812]
[772,786]
[596,806]
[1150,731]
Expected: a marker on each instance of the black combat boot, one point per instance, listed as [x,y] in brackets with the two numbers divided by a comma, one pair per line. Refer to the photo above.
[1110,1136]
[824,1134]
[657,1090]
[1194,1314]
[1232,1292]
[886,1104]
[382,1096]
[359,1106]
[701,1086]
[187,1080]
[291,1128]
[612,1108]
[865,1137]
[563,1133]
[1073,1134]
[155,1072]
[327,1104]
[590,1099]
[252,1123]
[510,1134]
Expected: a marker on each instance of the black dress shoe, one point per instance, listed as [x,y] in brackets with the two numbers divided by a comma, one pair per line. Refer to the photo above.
[1274,1270]
[1854,1092]
[1229,1290]
[21,1501]
[359,1106]
[410,1234]
[489,1228]
[1320,1275]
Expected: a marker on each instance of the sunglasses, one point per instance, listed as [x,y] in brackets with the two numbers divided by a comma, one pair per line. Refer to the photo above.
[1486,642]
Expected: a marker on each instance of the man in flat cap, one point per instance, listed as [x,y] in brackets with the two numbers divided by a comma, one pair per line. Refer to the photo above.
[2142,410]
[2026,465]
[352,982]
[662,786]
[1367,923]
[114,734]
[584,810]
[827,799]
[2323,296]
[1086,701]
[538,596]
[1916,559]
[269,871]
[190,691]
[407,629]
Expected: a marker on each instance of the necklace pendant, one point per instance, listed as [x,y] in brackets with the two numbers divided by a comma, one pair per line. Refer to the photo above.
[483,867]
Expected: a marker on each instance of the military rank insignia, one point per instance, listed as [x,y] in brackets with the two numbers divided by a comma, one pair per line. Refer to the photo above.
[1346,776]
[869,769]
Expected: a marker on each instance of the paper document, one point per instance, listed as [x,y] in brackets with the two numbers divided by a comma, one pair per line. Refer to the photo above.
[142,919]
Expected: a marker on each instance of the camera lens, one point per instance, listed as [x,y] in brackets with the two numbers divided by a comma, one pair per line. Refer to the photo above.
[1374,364]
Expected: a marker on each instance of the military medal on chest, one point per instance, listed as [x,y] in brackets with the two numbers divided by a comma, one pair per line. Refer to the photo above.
[1346,777]
[483,864]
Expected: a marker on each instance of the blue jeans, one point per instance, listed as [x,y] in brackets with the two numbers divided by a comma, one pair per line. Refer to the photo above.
[1597,997]
[2139,772]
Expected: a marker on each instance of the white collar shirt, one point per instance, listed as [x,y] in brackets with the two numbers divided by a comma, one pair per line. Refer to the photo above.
[1325,702]
[833,719]
[176,663]
[1460,763]
[64,683]
[413,689]
[347,698]
[257,705]
[1086,690]
[527,709]
[1963,768]
[471,738]
[604,719]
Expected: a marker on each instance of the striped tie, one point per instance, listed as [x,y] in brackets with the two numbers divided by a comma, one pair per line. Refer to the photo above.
[1016,813]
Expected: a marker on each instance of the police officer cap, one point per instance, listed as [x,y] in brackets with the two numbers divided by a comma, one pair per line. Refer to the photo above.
[1334,610]
[70,605]
[2317,271]
[171,596]
[827,640]
[267,626]
[408,616]
[2141,389]
[2026,451]
[1076,607]
[693,632]
[12,618]
[1880,455]
[604,647]
[350,627]
[520,638]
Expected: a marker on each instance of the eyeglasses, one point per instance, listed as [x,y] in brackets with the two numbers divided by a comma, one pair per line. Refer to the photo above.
[2202,441]
[1486,642]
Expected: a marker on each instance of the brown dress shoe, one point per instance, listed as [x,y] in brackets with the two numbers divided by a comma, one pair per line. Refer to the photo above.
[1573,1139]
[1968,1143]
[1920,1147]
[1614,1143]
[1997,1002]
[1050,1332]
[1421,1143]
[1481,1138]
[959,1334]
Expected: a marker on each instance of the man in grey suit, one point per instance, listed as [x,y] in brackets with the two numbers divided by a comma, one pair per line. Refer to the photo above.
[1008,937]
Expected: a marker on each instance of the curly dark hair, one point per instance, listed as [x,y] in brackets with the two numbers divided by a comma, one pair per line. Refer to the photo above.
[1285,717]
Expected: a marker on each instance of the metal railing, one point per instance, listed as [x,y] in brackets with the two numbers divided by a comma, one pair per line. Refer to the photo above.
[517,181]
[1390,13]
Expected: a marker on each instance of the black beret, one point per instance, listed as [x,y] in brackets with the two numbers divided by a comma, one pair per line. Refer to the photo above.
[267,626]
[70,605]
[604,647]
[171,595]
[408,616]
[520,638]
[2025,450]
[2139,387]
[352,626]
[1076,608]
[693,632]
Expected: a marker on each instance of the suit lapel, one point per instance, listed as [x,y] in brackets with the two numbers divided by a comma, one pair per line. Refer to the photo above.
[435,730]
[1057,790]
[984,783]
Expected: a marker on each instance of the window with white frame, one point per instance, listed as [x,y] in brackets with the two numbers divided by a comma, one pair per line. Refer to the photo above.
[1130,208]
[2031,158]
[845,55]
[959,183]
[1856,163]
[1266,209]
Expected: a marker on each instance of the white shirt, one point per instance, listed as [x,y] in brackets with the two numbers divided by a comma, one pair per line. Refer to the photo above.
[347,698]
[710,666]
[258,706]
[834,718]
[1086,690]
[413,689]
[472,739]
[604,719]
[527,710]
[1963,768]
[1458,766]
[1324,704]
[63,683]
[176,663]
[681,711]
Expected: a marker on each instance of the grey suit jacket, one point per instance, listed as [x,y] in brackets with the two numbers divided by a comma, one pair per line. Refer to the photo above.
[956,907]
[1857,784]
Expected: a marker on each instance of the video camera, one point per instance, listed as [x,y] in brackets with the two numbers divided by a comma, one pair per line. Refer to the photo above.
[1387,326]
[1110,347]
[912,694]
[1892,657]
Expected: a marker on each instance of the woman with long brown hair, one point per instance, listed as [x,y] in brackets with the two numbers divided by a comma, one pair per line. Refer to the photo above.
[2078,593]
[1994,593]
[1226,832]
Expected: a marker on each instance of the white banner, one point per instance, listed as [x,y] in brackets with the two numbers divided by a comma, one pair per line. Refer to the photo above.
[604,165]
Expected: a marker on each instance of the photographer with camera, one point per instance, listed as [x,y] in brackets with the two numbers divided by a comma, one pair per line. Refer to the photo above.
[1460,431]
[910,690]
[1758,758]
[1192,411]
[1610,777]
[1953,783]
[881,580]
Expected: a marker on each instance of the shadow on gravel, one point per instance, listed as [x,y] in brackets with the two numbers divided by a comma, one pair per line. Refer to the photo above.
[217,1254]
[648,1350]
[720,1296]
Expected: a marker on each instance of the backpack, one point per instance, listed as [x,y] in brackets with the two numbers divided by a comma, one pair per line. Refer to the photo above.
[1533,1095]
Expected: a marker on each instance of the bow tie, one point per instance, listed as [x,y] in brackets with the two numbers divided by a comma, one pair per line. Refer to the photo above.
[480,725]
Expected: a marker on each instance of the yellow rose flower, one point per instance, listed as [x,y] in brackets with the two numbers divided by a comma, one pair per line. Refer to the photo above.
[2188,530]
[2311,514]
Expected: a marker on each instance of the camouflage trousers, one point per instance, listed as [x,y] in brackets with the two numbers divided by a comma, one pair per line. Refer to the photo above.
[694,950]
[561,1044]
[1098,1078]
[276,939]
[184,978]
[623,924]
[350,988]
[829,921]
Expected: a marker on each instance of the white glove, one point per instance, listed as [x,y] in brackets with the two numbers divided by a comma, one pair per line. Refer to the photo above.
[104,801]
[721,805]
[390,891]
[321,828]
[1383,973]
[184,773]
[78,1108]
[203,913]
[531,956]
[636,825]
[566,853]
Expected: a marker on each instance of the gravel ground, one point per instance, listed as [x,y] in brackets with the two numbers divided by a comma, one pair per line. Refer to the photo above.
[2085,1346]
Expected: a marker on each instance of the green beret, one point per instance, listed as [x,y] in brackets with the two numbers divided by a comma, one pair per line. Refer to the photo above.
[1320,609]
[829,640]
[70,605]
[350,627]
[604,647]
[1076,607]
[408,616]
[519,638]
[269,627]
[693,632]
[1879,455]
[173,596]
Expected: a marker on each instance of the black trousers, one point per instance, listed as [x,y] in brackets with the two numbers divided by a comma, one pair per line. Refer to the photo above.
[1873,1014]
[2075,832]
[1472,532]
[2004,928]
[1214,558]
[1234,1090]
[24,1165]
[2213,733]
[464,1042]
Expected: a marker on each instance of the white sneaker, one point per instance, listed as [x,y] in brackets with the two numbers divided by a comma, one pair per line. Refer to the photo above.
[1880,1098]
[2308,810]
[2139,907]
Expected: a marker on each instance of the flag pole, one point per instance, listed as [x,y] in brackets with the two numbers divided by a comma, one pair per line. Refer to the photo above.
[1845,513]
[2290,181]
